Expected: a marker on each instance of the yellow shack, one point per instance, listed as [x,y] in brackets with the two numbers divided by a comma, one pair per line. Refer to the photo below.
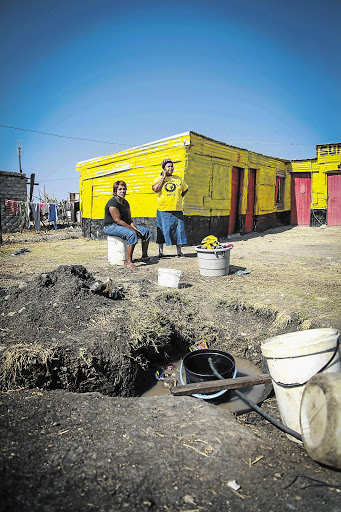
[230,189]
[316,188]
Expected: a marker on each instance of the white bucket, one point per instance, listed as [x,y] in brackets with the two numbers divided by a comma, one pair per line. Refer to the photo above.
[117,250]
[169,277]
[214,262]
[293,359]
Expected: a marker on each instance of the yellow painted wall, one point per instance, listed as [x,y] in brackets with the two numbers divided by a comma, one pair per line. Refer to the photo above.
[138,167]
[209,177]
[205,164]
[328,158]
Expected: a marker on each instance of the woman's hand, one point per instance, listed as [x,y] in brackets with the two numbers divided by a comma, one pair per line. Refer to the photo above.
[158,186]
[137,231]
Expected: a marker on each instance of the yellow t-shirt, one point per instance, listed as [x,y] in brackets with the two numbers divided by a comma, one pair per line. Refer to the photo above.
[169,198]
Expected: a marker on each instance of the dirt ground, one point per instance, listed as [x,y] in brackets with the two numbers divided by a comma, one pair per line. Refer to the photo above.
[73,361]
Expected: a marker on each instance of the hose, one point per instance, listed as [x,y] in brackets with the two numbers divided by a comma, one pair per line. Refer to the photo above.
[254,406]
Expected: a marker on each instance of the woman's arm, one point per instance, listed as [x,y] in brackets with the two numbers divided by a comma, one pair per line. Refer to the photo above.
[158,186]
[137,231]
[115,213]
[132,225]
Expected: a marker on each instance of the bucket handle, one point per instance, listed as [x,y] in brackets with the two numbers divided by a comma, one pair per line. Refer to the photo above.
[297,384]
[221,249]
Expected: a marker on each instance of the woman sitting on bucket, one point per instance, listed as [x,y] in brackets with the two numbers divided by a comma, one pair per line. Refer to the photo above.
[118,222]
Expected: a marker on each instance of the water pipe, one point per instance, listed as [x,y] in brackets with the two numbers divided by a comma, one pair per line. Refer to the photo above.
[254,406]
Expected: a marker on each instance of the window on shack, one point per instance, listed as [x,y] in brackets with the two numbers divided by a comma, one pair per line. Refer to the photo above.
[279,191]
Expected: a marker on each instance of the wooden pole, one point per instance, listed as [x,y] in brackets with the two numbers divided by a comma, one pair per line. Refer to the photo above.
[213,386]
[19,150]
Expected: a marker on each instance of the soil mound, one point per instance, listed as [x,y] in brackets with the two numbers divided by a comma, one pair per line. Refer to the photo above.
[49,305]
[62,330]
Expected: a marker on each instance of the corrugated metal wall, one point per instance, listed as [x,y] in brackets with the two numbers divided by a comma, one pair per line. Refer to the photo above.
[138,167]
[205,164]
[209,175]
[328,159]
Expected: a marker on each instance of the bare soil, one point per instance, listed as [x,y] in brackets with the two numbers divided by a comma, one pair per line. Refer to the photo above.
[74,432]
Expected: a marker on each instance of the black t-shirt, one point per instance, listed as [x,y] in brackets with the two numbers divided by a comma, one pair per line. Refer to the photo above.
[123,209]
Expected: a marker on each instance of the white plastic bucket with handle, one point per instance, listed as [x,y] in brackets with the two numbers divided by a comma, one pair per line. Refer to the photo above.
[169,277]
[292,360]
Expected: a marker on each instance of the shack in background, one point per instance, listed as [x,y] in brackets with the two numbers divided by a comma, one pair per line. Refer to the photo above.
[231,190]
[316,188]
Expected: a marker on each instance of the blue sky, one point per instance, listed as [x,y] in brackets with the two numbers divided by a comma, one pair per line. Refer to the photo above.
[263,75]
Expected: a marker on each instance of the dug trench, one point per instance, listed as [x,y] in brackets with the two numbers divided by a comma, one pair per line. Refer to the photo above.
[76,434]
[63,331]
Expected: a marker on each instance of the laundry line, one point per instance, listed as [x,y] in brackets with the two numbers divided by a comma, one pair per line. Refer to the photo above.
[37,211]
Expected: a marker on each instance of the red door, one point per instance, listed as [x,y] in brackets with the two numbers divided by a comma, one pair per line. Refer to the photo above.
[234,200]
[300,198]
[334,199]
[250,201]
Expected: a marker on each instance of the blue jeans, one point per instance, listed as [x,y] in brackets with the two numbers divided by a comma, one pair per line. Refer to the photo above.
[171,228]
[126,233]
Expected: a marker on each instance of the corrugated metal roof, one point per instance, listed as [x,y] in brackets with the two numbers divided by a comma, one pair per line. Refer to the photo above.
[142,146]
[328,144]
[156,142]
[305,160]
[236,147]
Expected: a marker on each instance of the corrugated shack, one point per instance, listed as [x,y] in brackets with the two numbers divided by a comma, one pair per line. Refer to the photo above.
[230,189]
[316,188]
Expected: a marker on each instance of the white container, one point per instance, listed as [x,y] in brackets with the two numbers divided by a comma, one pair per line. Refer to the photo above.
[214,262]
[117,250]
[169,277]
[293,359]
[320,418]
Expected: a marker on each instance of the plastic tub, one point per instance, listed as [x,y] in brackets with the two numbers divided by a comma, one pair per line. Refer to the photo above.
[197,367]
[214,262]
[169,277]
[320,418]
[293,359]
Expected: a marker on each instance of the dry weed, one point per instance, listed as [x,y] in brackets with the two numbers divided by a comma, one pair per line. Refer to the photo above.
[282,320]
[19,358]
[149,328]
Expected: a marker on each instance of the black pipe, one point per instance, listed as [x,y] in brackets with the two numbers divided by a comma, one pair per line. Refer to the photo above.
[254,406]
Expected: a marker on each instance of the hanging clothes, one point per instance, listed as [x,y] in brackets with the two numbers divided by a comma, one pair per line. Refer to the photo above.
[28,224]
[11,207]
[35,209]
[45,208]
[24,213]
[53,214]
